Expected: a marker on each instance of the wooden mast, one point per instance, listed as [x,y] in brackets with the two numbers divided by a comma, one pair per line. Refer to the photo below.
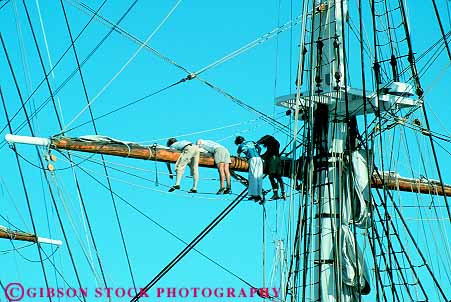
[159,153]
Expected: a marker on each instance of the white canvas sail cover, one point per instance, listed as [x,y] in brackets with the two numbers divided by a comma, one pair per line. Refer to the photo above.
[361,183]
[355,271]
[355,276]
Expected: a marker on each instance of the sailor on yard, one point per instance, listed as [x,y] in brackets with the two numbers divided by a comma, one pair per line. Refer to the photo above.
[222,161]
[272,165]
[190,157]
[252,152]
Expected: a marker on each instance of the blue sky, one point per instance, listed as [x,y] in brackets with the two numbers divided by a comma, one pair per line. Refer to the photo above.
[194,36]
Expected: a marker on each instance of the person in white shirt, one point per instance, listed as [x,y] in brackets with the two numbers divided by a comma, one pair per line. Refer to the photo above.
[222,161]
[189,156]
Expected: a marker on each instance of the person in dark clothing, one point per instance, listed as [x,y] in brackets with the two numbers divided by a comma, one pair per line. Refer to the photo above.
[273,167]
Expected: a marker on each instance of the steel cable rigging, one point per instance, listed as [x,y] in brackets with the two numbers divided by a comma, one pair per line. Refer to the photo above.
[194,75]
[41,164]
[74,72]
[123,67]
[192,244]
[167,230]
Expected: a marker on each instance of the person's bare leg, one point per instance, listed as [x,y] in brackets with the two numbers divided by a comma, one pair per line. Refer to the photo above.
[221,174]
[227,175]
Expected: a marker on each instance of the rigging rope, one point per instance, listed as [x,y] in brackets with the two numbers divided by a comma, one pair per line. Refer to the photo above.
[123,66]
[47,206]
[60,274]
[6,2]
[412,238]
[268,119]
[192,75]
[168,231]
[4,252]
[10,223]
[129,104]
[28,259]
[42,62]
[104,166]
[263,246]
[58,114]
[59,60]
[130,167]
[192,244]
[377,49]
[49,58]
[420,94]
[8,193]
[394,253]
[40,160]
[60,125]
[241,103]
[274,33]
[30,212]
[299,81]
[24,56]
[143,178]
[63,198]
[442,232]
[349,147]
[276,58]
[164,139]
[442,30]
[84,7]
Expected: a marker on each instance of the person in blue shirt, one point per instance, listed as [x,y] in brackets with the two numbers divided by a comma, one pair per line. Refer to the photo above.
[252,153]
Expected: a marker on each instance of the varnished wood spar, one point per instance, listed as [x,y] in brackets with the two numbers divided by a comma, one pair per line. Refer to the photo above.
[139,152]
[238,164]
[392,182]
[6,233]
[15,235]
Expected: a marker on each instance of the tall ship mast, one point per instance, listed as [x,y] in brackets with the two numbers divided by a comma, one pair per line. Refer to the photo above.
[344,86]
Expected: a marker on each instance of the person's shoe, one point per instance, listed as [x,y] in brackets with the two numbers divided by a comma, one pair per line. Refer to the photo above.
[228,191]
[173,188]
[252,197]
[259,199]
[284,196]
[266,192]
[275,196]
[221,191]
[192,191]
